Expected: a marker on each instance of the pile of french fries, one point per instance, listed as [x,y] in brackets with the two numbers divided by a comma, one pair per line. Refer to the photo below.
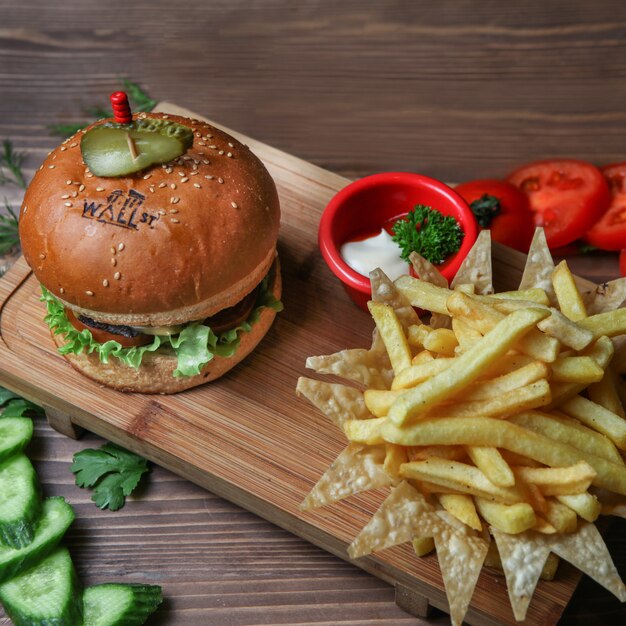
[504,415]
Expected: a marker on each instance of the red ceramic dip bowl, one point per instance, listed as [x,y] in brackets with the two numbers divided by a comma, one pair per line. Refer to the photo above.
[366,204]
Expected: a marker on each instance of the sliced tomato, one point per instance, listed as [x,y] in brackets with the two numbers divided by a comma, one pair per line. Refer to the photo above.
[567,197]
[503,209]
[233,316]
[102,336]
[609,232]
[622,262]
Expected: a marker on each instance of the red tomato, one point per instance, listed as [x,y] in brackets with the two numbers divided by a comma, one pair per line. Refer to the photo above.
[622,262]
[567,197]
[512,224]
[609,232]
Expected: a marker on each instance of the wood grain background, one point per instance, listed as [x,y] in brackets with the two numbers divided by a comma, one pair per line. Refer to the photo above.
[455,90]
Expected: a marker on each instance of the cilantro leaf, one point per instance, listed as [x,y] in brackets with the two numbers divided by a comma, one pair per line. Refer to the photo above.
[430,233]
[112,471]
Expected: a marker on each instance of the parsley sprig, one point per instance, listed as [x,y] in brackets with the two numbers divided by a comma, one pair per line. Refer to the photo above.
[138,98]
[16,406]
[428,232]
[111,471]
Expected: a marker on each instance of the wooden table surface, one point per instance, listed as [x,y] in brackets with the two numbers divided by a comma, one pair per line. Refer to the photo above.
[455,90]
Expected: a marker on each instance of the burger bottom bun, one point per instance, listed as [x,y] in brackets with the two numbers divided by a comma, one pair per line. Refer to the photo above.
[156,372]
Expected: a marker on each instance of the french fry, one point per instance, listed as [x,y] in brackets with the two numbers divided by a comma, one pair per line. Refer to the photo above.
[379,401]
[462,507]
[421,453]
[536,295]
[567,332]
[567,294]
[597,417]
[584,504]
[365,431]
[543,526]
[604,393]
[466,368]
[525,375]
[460,478]
[395,456]
[503,434]
[466,336]
[569,431]
[558,481]
[417,334]
[610,323]
[561,516]
[423,295]
[441,341]
[415,374]
[490,462]
[422,357]
[392,334]
[423,545]
[512,518]
[576,369]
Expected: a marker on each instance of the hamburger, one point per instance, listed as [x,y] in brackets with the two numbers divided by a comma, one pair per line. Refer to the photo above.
[155,245]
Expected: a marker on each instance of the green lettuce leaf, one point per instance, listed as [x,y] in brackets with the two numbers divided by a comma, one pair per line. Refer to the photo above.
[194,346]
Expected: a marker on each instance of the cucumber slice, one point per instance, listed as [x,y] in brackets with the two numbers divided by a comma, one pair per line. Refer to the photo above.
[56,517]
[117,604]
[20,502]
[15,433]
[45,595]
[107,148]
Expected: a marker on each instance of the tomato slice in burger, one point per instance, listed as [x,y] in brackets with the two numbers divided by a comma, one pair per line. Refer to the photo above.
[609,232]
[102,336]
[567,197]
[503,209]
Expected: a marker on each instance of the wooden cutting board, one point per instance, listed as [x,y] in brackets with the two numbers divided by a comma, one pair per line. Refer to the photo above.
[247,437]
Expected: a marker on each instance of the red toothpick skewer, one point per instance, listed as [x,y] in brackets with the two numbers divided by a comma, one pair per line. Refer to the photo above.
[121,108]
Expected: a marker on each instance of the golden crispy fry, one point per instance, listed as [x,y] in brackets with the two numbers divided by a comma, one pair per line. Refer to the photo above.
[365,431]
[466,336]
[417,334]
[605,393]
[422,357]
[584,504]
[423,295]
[567,294]
[543,526]
[421,453]
[462,507]
[466,368]
[561,517]
[576,369]
[503,434]
[558,481]
[513,360]
[567,332]
[395,456]
[535,295]
[416,374]
[379,401]
[597,417]
[569,431]
[461,478]
[534,371]
[508,518]
[468,288]
[423,545]
[392,334]
[611,323]
[441,341]
[490,462]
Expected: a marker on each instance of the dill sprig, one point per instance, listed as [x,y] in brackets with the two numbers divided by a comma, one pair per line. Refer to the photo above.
[9,236]
[11,160]
[138,98]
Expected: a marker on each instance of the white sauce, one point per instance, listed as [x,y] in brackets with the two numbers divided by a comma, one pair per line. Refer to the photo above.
[378,251]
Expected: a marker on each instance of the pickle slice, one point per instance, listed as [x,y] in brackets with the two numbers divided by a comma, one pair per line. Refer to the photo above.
[115,149]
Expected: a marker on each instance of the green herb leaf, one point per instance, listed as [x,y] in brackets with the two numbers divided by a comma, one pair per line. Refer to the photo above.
[485,209]
[112,471]
[424,230]
[139,99]
[16,406]
[12,161]
[9,234]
